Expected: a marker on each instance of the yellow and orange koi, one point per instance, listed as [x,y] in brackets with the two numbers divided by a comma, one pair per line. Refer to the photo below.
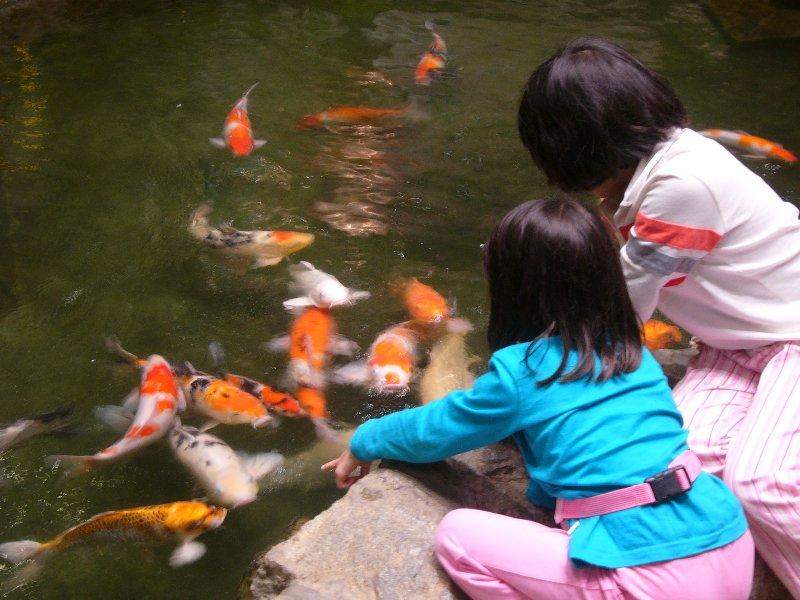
[156,403]
[390,364]
[238,133]
[658,335]
[351,115]
[433,60]
[180,521]
[758,146]
[222,401]
[276,401]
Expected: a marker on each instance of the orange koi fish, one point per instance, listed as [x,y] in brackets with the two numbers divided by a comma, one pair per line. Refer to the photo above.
[180,521]
[313,402]
[426,306]
[222,401]
[758,146]
[390,362]
[311,341]
[348,115]
[280,402]
[433,60]
[156,402]
[238,134]
[658,335]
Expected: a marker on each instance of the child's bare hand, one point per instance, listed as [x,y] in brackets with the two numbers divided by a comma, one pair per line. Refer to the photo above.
[347,468]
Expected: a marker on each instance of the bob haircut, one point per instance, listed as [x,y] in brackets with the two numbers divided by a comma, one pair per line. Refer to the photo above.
[592,110]
[553,269]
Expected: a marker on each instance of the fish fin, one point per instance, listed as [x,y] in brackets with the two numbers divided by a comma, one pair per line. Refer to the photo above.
[17,552]
[131,401]
[460,326]
[218,142]
[217,354]
[75,465]
[356,373]
[21,577]
[208,426]
[298,304]
[341,345]
[115,417]
[266,261]
[302,267]
[356,295]
[115,347]
[181,402]
[324,431]
[262,464]
[187,553]
[278,344]
[265,421]
[756,156]
[258,143]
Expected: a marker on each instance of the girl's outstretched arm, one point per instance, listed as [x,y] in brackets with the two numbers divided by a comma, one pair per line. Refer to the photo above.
[463,420]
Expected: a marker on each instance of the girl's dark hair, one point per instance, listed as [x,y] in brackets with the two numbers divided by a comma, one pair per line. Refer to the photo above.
[553,269]
[592,110]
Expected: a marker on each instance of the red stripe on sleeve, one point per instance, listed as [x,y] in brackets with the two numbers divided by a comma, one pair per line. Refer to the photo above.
[677,236]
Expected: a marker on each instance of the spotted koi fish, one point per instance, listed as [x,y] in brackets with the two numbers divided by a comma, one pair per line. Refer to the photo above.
[238,133]
[433,60]
[758,146]
[390,363]
[180,521]
[428,307]
[351,115]
[264,248]
[230,478]
[156,403]
[311,340]
[658,335]
[222,401]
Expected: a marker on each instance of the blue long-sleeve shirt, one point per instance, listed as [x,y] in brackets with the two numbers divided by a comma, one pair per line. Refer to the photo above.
[577,439]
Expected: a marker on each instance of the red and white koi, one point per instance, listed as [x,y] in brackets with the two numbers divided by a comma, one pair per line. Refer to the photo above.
[390,364]
[757,146]
[238,133]
[433,60]
[156,403]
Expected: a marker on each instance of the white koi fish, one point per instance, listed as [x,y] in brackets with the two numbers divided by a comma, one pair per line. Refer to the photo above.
[319,289]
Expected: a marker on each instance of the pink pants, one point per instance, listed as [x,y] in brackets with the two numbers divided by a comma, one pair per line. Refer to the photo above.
[742,410]
[495,557]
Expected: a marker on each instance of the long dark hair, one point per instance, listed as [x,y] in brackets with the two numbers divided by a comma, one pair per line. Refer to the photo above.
[553,269]
[592,110]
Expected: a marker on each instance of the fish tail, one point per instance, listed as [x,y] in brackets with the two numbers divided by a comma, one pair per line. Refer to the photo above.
[21,577]
[74,465]
[115,347]
[429,25]
[458,326]
[198,222]
[17,552]
[250,89]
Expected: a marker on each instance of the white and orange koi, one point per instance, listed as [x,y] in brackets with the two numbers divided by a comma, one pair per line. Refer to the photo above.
[179,521]
[238,133]
[390,363]
[757,146]
[311,340]
[156,403]
[433,60]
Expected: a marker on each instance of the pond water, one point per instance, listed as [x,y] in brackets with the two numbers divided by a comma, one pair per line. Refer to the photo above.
[105,113]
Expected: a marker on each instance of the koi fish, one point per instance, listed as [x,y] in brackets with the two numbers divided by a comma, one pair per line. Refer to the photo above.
[238,133]
[181,521]
[658,335]
[156,402]
[390,363]
[760,147]
[264,248]
[20,430]
[433,60]
[279,402]
[319,289]
[351,115]
[313,402]
[221,400]
[230,478]
[448,369]
[428,307]
[311,340]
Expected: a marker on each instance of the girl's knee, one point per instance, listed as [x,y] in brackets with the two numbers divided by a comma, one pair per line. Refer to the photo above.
[449,540]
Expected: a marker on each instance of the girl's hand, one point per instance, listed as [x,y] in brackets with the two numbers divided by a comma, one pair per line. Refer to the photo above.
[348,469]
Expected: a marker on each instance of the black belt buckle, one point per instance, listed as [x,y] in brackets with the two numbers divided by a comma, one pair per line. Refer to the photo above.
[666,485]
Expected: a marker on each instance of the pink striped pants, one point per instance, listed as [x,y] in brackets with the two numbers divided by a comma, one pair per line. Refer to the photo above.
[742,410]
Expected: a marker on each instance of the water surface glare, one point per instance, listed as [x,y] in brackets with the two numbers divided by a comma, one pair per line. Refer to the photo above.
[105,115]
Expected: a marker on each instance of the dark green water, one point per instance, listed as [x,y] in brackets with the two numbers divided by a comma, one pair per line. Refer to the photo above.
[104,118]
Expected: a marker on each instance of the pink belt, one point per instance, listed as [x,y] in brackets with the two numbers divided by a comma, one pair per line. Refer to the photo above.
[675,480]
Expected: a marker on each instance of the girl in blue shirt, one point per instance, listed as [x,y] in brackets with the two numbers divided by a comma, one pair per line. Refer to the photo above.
[592,413]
